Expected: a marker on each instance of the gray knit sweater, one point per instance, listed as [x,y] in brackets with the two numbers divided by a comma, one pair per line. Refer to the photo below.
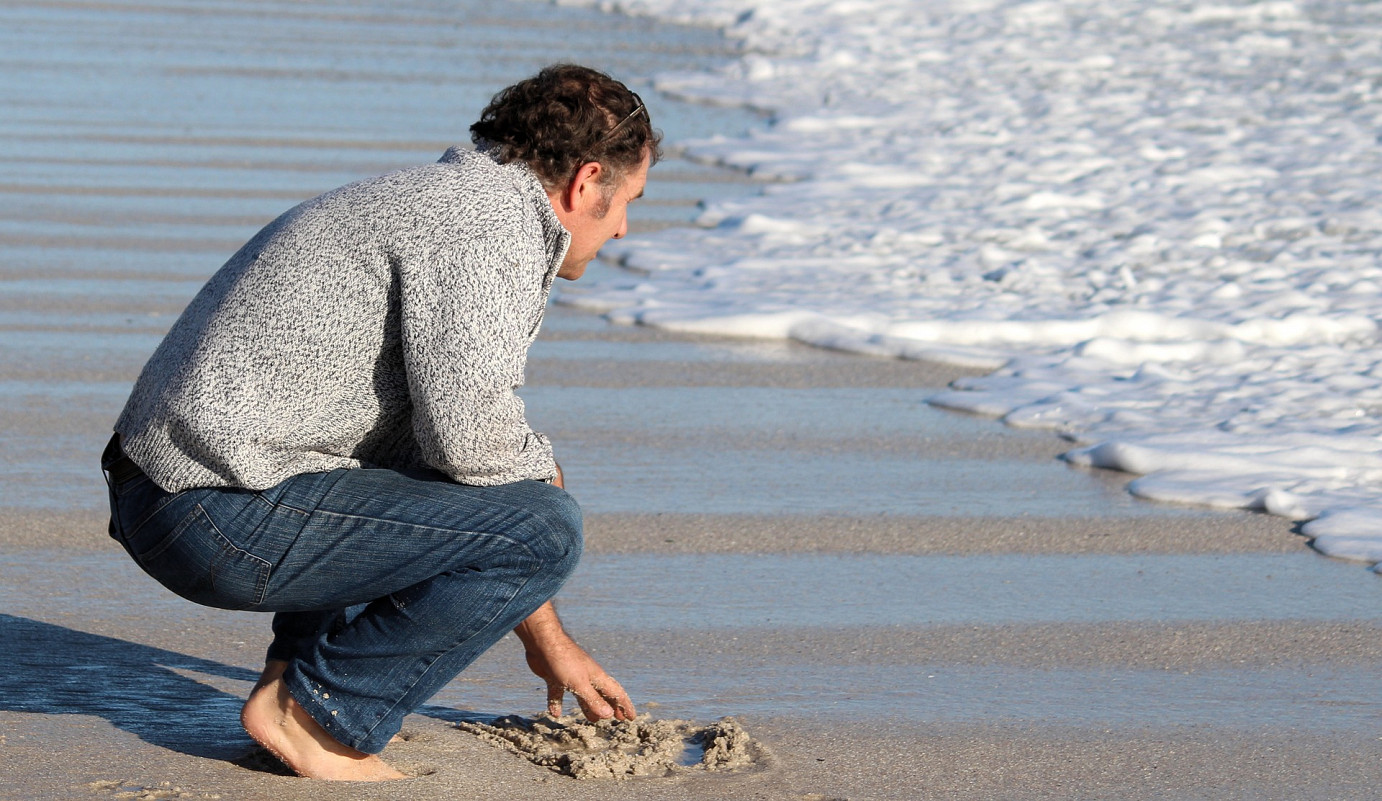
[385,323]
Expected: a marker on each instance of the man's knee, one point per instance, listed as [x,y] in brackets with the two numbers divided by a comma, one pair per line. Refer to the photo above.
[560,538]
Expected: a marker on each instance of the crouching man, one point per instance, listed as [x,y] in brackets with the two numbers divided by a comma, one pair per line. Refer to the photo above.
[330,431]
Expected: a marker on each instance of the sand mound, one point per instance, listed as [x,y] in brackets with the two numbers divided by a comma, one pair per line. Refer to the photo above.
[622,749]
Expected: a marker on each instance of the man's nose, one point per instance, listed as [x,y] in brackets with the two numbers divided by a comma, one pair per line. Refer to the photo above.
[623,228]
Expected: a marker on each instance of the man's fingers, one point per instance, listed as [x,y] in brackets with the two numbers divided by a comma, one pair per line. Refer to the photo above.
[624,708]
[554,697]
[613,692]
[592,702]
[598,695]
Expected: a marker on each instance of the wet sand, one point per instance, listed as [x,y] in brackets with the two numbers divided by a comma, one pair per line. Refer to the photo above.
[897,602]
[1239,664]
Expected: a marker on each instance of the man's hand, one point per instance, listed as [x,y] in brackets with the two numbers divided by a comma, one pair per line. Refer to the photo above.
[566,667]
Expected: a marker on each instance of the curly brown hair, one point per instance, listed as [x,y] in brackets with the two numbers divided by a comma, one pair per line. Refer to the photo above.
[565,116]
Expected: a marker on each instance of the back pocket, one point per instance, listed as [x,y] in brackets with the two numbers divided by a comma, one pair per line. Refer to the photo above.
[195,560]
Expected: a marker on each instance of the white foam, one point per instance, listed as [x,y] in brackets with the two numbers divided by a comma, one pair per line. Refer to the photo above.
[1157,220]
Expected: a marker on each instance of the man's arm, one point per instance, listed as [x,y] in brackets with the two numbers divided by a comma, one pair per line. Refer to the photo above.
[466,320]
[565,666]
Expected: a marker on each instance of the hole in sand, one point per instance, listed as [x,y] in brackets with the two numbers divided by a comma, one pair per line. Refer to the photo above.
[574,747]
[415,770]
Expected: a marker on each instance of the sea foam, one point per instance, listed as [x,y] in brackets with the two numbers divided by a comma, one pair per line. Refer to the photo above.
[1157,222]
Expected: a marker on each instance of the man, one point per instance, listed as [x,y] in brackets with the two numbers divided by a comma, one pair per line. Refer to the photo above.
[330,430]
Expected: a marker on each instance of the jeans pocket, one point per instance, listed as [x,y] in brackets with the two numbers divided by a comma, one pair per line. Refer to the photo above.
[196,561]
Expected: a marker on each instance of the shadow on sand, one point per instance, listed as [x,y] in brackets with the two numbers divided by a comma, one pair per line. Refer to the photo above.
[52,670]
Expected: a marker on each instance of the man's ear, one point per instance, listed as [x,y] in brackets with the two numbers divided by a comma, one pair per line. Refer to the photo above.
[584,187]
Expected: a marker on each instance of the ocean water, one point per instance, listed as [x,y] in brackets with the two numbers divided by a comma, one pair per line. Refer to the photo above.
[164,134]
[1156,221]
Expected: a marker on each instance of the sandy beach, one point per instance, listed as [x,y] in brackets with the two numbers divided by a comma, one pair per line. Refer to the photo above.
[894,601]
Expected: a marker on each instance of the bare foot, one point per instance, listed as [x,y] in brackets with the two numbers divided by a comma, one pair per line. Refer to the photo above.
[274,668]
[276,721]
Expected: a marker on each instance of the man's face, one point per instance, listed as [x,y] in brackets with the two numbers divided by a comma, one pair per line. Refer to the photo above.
[593,217]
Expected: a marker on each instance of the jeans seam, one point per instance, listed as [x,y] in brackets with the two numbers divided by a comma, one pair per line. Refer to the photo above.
[176,534]
[149,514]
[276,506]
[494,534]
[507,506]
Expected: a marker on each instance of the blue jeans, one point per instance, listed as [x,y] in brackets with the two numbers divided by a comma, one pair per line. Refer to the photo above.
[387,585]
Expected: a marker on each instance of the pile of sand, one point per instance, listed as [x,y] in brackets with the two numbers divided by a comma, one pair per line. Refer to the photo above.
[622,749]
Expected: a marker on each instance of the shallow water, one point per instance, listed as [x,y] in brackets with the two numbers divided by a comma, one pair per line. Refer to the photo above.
[148,142]
[625,601]
[1344,698]
[840,590]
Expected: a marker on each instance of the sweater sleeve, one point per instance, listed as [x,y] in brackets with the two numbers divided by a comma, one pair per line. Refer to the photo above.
[466,325]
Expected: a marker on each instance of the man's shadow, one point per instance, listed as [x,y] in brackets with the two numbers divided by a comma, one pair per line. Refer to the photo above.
[52,670]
